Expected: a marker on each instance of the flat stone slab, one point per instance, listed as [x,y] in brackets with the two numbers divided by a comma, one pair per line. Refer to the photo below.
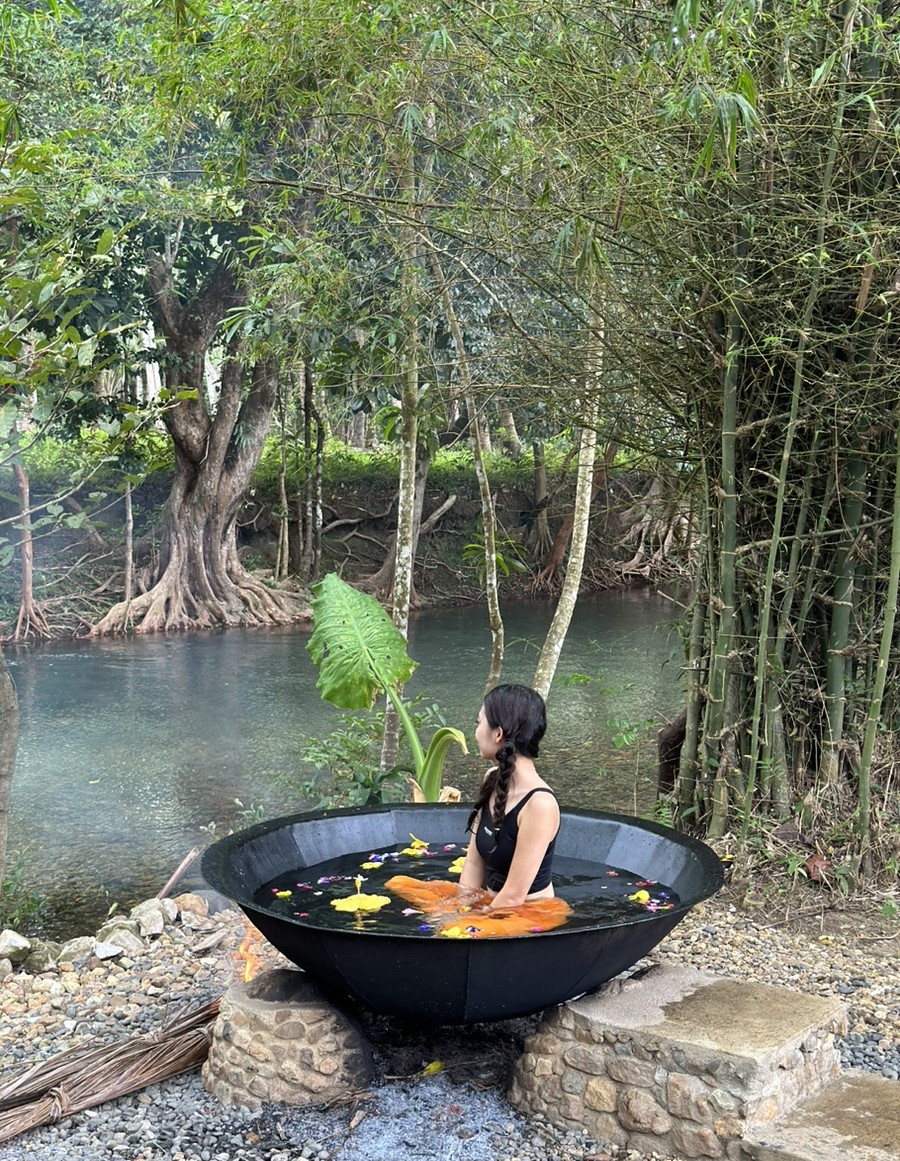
[721,1015]
[679,1061]
[855,1118]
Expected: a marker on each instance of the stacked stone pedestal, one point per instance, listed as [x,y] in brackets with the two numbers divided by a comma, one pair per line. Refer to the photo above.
[678,1061]
[278,1039]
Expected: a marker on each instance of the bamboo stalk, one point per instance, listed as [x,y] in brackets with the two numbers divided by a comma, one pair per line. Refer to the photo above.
[873,719]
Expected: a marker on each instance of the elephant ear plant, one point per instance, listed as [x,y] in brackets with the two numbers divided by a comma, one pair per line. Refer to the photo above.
[359,653]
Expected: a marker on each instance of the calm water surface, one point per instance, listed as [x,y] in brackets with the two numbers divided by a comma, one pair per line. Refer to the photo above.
[129,747]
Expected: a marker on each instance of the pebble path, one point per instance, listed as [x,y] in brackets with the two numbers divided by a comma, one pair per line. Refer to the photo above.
[403,1119]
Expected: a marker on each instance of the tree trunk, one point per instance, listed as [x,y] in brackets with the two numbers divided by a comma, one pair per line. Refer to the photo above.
[200,581]
[479,450]
[409,430]
[381,583]
[9,737]
[31,620]
[547,575]
[584,494]
[512,445]
[128,583]
[540,539]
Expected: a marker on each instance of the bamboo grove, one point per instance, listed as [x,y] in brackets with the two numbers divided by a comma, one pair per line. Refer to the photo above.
[749,160]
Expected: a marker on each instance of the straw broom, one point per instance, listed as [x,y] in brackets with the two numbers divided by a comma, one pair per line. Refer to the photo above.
[90,1074]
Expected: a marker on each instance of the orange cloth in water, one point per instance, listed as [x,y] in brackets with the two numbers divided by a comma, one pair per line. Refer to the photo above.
[467,920]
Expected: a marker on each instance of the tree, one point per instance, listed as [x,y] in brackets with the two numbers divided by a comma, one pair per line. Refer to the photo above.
[200,580]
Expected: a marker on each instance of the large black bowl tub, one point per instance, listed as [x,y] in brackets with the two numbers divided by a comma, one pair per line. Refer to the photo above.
[449,980]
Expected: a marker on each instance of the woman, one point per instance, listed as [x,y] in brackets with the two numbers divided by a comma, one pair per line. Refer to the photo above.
[516,816]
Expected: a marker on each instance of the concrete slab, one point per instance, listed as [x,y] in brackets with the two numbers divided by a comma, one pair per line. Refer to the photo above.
[854,1118]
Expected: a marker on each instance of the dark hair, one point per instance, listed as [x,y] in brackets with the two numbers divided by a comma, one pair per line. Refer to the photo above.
[519,711]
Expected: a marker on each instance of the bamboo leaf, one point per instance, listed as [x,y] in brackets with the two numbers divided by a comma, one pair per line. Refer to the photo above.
[355,646]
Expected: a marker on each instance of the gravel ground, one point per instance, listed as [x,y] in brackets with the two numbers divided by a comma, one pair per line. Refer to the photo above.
[405,1116]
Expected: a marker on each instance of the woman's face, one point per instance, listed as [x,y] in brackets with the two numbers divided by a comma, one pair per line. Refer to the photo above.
[487,739]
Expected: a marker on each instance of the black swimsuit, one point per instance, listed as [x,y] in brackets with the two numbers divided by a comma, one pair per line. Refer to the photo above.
[498,850]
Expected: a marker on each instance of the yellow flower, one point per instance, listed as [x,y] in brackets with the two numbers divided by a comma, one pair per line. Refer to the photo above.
[417,848]
[360,903]
[456,933]
[640,897]
[456,866]
[369,866]
[283,894]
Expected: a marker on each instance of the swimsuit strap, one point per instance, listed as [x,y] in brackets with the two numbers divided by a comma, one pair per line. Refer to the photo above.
[515,810]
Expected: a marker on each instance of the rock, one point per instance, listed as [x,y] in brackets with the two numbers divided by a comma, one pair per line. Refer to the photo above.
[6,969]
[106,950]
[77,950]
[125,939]
[119,923]
[154,914]
[192,904]
[13,946]
[43,956]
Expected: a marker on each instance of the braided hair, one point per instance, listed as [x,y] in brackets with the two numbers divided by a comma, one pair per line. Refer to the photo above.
[520,713]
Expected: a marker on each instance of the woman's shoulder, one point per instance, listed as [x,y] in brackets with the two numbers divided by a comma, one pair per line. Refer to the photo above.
[540,800]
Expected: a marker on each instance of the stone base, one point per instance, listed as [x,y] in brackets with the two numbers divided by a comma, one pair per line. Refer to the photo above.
[278,1039]
[856,1116]
[678,1061]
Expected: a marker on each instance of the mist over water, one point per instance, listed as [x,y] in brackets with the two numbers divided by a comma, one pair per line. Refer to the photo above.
[129,746]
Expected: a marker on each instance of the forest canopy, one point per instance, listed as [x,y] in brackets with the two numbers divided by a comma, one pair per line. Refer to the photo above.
[664,236]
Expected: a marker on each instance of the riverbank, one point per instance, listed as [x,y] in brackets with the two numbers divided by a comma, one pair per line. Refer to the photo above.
[460,1112]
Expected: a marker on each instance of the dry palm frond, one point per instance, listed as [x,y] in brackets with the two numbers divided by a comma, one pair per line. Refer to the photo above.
[90,1074]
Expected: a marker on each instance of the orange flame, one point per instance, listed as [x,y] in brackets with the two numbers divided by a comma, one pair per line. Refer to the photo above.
[247,954]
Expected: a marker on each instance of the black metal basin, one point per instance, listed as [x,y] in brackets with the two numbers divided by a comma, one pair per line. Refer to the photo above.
[458,981]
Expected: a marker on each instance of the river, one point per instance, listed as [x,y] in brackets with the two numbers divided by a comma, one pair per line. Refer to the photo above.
[129,747]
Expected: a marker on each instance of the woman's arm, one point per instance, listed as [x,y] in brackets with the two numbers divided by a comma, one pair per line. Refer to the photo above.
[473,868]
[538,824]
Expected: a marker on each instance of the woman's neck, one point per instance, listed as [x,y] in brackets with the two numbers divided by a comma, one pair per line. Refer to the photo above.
[523,773]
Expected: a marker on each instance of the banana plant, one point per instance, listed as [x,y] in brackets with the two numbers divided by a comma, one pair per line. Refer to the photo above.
[359,653]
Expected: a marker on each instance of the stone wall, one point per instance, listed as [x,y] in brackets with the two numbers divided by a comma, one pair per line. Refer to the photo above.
[678,1061]
[278,1039]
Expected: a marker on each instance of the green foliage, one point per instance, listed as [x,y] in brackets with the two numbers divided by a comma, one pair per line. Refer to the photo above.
[360,653]
[507,555]
[21,909]
[348,759]
[663,811]
[55,463]
[451,470]
[355,646]
[349,756]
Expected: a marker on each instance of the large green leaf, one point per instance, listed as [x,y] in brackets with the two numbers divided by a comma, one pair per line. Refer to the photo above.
[432,772]
[355,646]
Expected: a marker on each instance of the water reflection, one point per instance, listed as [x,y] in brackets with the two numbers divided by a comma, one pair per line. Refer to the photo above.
[129,747]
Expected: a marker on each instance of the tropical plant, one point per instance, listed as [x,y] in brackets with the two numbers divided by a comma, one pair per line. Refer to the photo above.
[360,653]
